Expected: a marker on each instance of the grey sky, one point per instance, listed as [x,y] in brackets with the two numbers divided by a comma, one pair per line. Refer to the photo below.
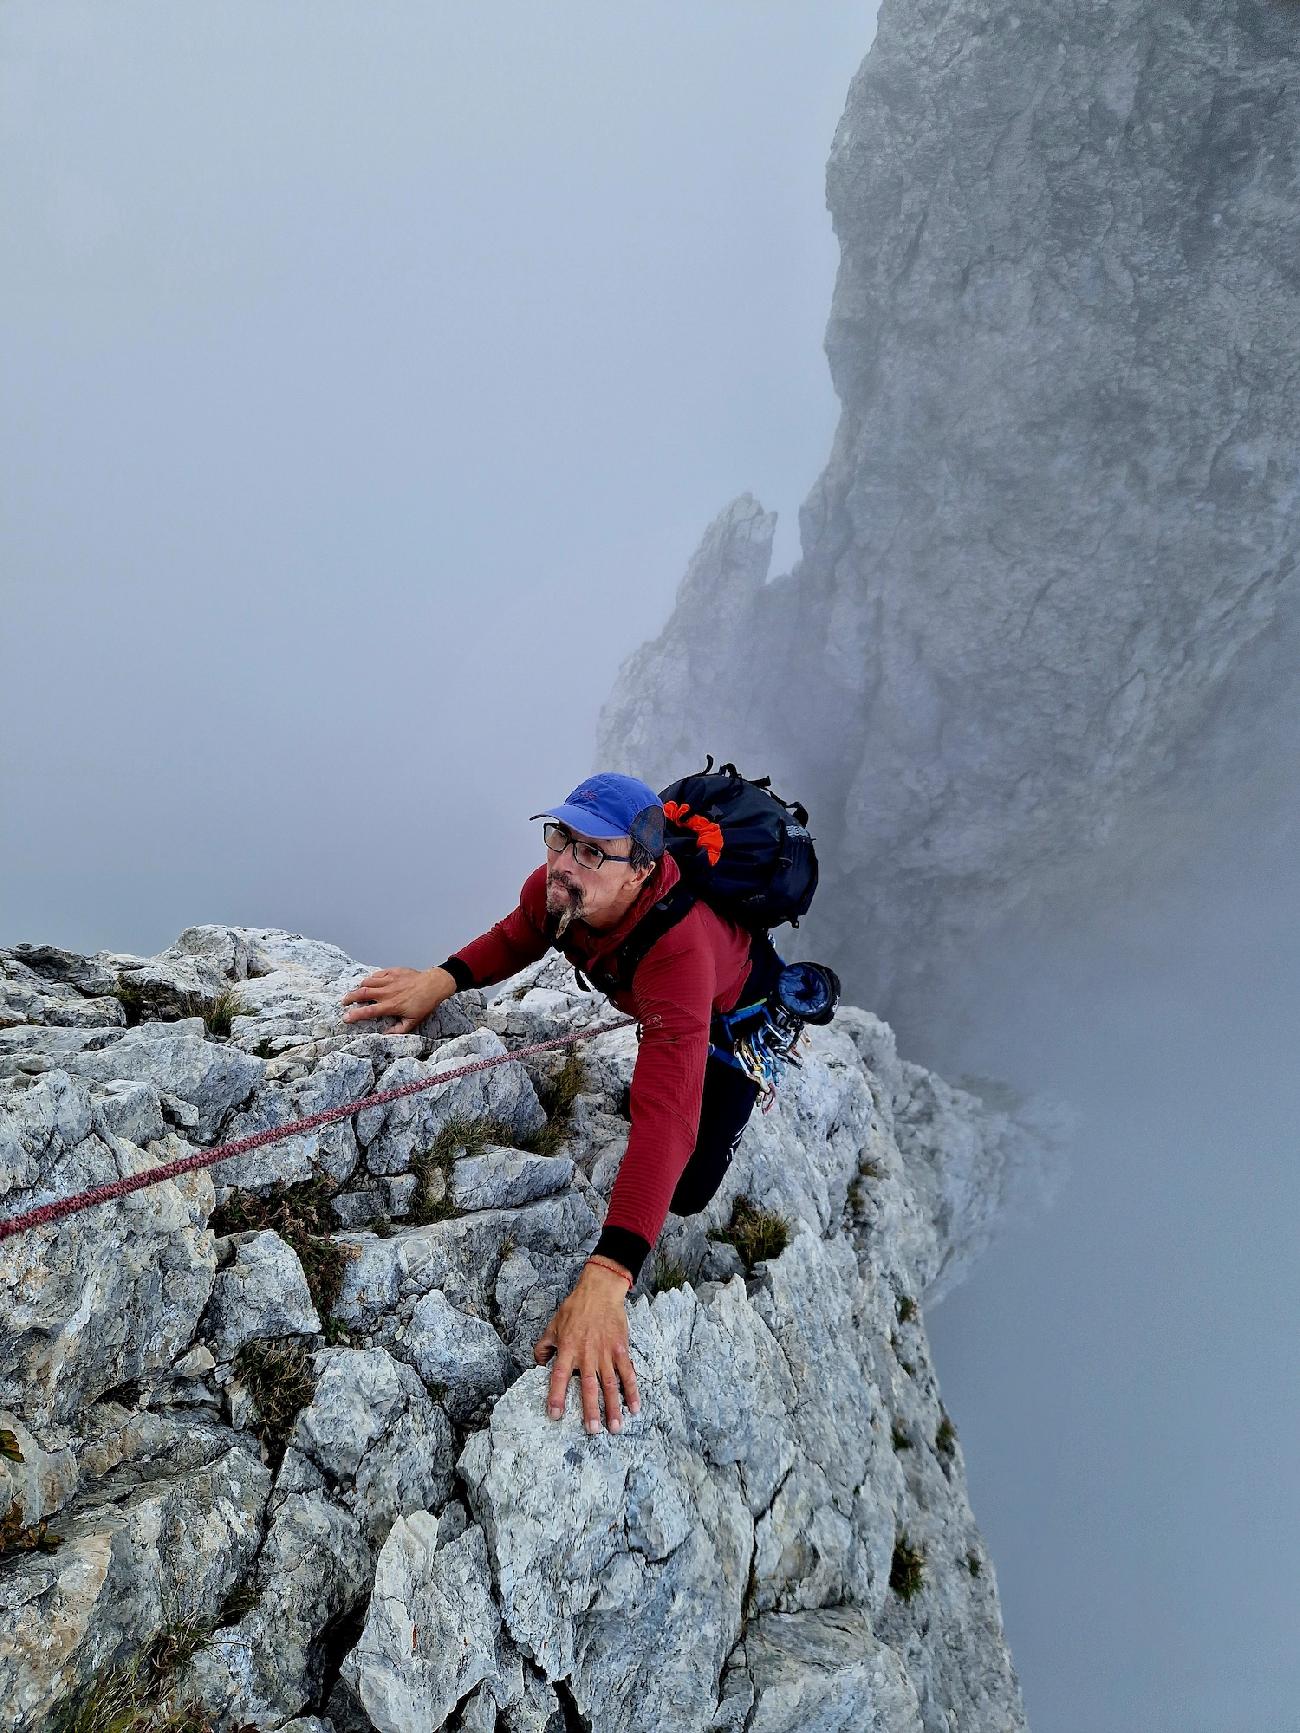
[369,374]
[372,375]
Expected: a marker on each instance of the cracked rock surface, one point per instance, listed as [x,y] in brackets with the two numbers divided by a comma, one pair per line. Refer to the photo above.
[322,1448]
[1046,615]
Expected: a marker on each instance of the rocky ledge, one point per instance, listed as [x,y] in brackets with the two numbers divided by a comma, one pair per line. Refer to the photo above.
[273,1451]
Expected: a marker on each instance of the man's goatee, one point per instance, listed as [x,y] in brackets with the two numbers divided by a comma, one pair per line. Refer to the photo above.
[566,915]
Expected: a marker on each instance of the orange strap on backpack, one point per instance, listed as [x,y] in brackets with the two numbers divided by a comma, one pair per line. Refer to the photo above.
[708,834]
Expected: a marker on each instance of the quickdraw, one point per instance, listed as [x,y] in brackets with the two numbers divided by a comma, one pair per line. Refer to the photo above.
[764,1037]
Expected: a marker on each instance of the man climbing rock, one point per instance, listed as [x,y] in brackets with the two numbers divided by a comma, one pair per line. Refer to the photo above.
[605,869]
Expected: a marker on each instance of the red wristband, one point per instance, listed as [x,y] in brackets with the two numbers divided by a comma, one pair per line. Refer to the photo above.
[606,1264]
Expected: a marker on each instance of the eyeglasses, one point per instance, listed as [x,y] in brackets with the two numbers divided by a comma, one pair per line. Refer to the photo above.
[585,853]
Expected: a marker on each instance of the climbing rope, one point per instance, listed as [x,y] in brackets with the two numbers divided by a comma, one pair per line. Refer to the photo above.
[49,1212]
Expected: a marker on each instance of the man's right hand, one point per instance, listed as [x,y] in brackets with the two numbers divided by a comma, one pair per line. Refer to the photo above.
[410,995]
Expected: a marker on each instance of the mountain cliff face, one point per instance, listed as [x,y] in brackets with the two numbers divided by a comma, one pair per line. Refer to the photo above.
[1047,589]
[275,1428]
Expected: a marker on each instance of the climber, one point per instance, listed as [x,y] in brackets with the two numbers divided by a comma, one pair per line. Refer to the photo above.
[606,866]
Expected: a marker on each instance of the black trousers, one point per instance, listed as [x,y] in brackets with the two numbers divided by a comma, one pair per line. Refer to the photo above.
[728,1098]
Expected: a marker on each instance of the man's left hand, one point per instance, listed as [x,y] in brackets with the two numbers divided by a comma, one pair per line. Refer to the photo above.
[589,1332]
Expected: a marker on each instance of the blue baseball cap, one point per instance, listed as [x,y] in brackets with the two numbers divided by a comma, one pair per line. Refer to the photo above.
[613,805]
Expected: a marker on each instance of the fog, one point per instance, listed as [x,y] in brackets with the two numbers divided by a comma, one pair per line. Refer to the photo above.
[1123,1372]
[367,378]
[366,391]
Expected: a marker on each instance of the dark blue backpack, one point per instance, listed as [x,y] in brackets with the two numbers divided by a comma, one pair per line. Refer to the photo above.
[741,848]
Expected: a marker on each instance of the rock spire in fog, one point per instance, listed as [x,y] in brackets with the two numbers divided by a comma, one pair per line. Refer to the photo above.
[1049,567]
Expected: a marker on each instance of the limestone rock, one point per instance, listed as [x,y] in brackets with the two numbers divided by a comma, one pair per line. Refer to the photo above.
[261,1292]
[233,953]
[621,1560]
[726,1559]
[176,1057]
[530,1285]
[159,1539]
[822,1672]
[35,1479]
[1049,572]
[399,1130]
[378,1439]
[105,1296]
[458,1351]
[58,973]
[294,1004]
[502,1178]
[432,1630]
[313,1568]
[337,1078]
[460,1256]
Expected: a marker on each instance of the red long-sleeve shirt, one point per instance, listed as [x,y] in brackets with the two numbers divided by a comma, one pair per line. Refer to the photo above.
[696,967]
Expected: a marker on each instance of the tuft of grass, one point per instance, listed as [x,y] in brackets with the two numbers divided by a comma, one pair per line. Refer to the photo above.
[9,1445]
[279,1377]
[130,995]
[973,1563]
[425,1208]
[136,1696]
[870,1169]
[459,1136]
[466,1137]
[906,1568]
[176,1644]
[755,1232]
[900,1438]
[906,1309]
[17,1536]
[667,1273]
[241,1600]
[557,1096]
[217,1013]
[550,1140]
[302,1217]
[946,1437]
[123,1700]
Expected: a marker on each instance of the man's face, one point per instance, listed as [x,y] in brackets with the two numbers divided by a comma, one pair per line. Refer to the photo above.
[595,894]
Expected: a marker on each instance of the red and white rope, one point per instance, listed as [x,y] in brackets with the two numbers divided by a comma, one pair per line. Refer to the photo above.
[49,1212]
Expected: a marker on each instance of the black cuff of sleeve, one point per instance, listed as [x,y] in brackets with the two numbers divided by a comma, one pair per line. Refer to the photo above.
[624,1247]
[459,971]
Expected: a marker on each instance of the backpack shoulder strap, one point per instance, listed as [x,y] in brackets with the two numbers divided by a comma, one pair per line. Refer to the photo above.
[615,971]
